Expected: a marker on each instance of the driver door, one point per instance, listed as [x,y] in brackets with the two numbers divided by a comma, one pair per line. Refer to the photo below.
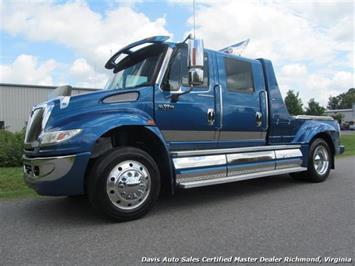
[187,121]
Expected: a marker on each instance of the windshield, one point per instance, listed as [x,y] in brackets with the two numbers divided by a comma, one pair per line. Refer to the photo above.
[137,69]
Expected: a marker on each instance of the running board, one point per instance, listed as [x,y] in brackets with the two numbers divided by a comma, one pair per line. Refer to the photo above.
[228,179]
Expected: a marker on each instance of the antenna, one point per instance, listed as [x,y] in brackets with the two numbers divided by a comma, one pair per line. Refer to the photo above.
[193,10]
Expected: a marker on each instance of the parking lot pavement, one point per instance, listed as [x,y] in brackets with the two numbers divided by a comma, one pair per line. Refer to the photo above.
[273,216]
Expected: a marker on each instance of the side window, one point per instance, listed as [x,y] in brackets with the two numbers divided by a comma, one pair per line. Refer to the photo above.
[178,72]
[239,75]
[174,73]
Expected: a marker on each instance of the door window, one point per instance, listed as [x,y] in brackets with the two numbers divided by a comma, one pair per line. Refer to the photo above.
[238,76]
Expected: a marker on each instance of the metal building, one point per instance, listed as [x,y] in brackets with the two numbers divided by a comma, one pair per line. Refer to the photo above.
[16,101]
[348,115]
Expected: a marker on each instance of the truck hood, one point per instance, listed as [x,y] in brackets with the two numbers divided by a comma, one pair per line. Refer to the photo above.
[69,108]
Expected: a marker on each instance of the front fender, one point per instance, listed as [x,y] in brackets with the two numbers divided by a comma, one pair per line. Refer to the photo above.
[94,125]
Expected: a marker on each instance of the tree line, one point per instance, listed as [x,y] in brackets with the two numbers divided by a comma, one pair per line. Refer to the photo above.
[295,105]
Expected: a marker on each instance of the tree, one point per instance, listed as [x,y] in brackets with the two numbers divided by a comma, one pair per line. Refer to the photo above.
[342,101]
[333,103]
[314,108]
[294,103]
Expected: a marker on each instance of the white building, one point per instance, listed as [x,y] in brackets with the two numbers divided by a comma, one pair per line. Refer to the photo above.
[347,114]
[16,101]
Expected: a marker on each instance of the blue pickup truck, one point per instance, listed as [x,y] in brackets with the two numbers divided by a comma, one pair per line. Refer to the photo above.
[173,115]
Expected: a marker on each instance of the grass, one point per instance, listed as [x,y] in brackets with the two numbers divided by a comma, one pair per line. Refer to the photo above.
[12,184]
[349,142]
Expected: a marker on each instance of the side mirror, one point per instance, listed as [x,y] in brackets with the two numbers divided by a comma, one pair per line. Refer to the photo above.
[196,76]
[195,61]
[174,95]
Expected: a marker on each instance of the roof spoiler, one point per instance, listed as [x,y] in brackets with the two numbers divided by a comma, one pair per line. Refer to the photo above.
[110,64]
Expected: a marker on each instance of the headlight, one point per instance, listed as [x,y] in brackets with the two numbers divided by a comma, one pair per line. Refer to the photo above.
[55,137]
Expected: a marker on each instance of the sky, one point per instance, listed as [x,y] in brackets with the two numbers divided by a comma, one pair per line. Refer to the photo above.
[311,43]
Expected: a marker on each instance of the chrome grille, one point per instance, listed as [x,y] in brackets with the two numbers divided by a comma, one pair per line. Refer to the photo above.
[34,126]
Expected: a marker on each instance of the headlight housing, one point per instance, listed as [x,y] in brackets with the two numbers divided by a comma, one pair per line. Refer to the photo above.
[55,137]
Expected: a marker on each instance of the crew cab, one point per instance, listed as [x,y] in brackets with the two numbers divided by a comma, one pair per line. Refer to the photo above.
[173,115]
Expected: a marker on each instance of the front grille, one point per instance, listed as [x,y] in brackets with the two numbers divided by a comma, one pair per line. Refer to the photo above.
[34,126]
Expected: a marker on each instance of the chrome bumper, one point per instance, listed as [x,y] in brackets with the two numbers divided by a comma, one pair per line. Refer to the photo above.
[47,168]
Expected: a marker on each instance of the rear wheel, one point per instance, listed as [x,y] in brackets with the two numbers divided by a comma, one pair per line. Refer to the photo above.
[319,163]
[124,183]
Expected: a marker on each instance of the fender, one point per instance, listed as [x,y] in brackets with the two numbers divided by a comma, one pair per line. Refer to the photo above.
[172,177]
[94,124]
[97,123]
[311,128]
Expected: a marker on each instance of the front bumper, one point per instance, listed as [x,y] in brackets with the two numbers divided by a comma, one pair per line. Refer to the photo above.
[56,176]
[341,149]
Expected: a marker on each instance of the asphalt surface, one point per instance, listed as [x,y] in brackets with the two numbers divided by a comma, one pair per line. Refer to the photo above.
[267,217]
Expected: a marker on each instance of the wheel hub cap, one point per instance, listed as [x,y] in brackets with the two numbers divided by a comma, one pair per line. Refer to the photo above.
[128,185]
[321,160]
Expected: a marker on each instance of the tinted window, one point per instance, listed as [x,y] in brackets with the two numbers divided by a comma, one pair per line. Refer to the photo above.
[239,76]
[178,73]
[137,69]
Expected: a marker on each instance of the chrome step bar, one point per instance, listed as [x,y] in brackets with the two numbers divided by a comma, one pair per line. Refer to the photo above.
[177,154]
[229,179]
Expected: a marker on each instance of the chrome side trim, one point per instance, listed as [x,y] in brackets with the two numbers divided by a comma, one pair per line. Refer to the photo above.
[291,153]
[199,161]
[250,168]
[288,163]
[164,66]
[313,117]
[208,182]
[211,173]
[221,104]
[267,110]
[288,158]
[250,157]
[250,162]
[233,150]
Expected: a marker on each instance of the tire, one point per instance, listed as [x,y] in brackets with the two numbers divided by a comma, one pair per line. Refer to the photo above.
[319,163]
[124,183]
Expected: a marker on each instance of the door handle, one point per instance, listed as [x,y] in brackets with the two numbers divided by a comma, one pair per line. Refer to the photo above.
[210,116]
[259,119]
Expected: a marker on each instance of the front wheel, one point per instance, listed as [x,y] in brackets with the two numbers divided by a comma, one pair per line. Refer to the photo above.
[124,183]
[319,163]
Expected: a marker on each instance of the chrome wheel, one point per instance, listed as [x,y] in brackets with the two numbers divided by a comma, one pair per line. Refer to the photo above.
[321,160]
[128,185]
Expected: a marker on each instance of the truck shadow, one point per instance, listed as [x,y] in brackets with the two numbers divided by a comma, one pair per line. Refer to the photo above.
[227,192]
[79,211]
